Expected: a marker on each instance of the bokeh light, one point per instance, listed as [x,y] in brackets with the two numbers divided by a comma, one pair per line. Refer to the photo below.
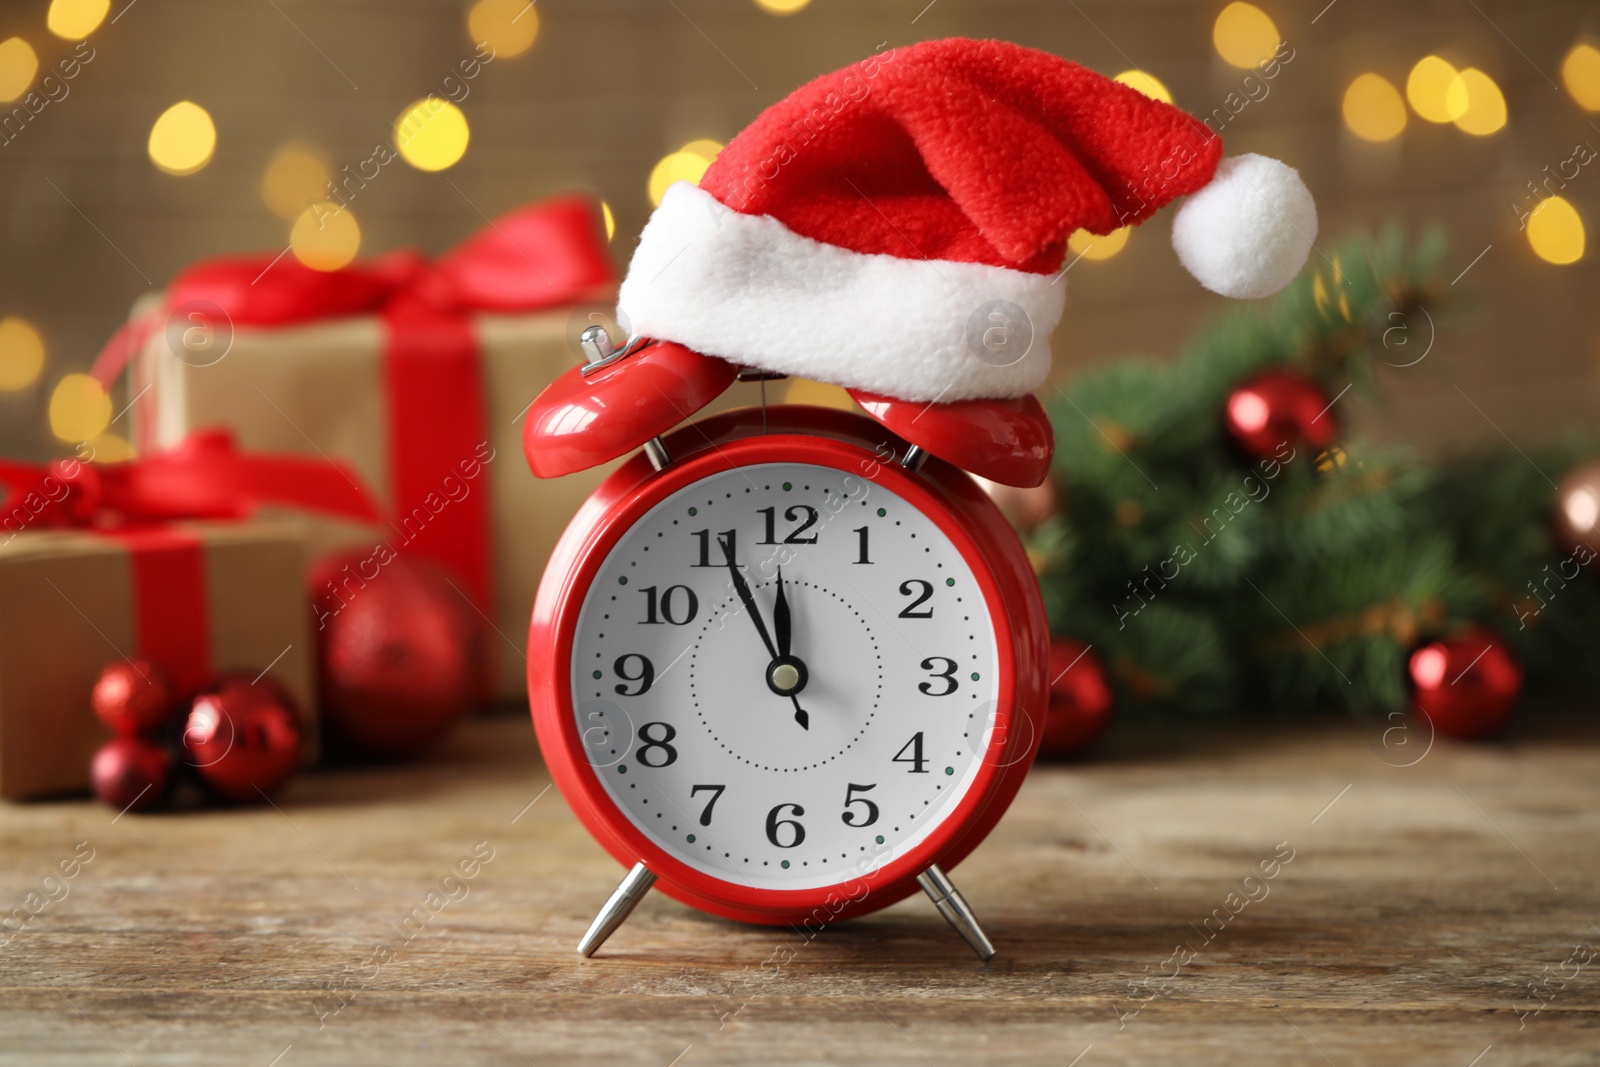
[781,7]
[296,176]
[1373,108]
[1244,35]
[1477,103]
[76,19]
[80,408]
[325,237]
[1428,89]
[817,394]
[507,26]
[18,65]
[110,448]
[183,138]
[1555,231]
[1146,83]
[431,134]
[1581,73]
[21,354]
[1085,245]
[687,164]
[609,219]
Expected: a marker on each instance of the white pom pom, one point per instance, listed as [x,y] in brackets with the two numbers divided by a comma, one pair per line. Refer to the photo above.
[1249,231]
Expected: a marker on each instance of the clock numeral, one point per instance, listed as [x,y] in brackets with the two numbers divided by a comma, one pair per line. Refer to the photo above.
[716,792]
[659,610]
[704,536]
[793,513]
[669,755]
[861,532]
[948,676]
[773,822]
[850,799]
[910,588]
[915,759]
[646,676]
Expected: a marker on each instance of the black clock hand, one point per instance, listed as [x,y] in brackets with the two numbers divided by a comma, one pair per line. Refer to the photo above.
[743,589]
[781,629]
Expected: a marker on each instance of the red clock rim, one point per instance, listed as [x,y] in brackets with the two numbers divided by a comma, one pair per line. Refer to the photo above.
[621,501]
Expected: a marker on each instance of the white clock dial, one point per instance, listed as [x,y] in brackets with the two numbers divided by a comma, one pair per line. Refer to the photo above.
[774,767]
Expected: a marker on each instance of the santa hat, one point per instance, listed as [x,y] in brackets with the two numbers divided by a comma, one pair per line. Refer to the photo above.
[870,229]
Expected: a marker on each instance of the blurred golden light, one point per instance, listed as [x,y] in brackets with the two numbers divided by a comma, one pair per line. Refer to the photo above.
[325,236]
[1428,89]
[1148,84]
[507,26]
[79,408]
[431,134]
[705,148]
[1244,35]
[1581,73]
[1085,245]
[781,7]
[109,448]
[1476,101]
[817,394]
[609,218]
[21,354]
[296,175]
[1556,232]
[76,19]
[687,164]
[18,65]
[183,138]
[1373,109]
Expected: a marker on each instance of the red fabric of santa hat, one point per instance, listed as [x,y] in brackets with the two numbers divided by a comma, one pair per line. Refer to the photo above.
[875,228]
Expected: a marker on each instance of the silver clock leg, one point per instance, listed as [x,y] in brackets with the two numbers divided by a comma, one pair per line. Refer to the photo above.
[953,906]
[616,911]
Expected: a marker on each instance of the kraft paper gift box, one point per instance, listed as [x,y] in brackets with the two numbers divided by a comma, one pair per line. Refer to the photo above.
[200,598]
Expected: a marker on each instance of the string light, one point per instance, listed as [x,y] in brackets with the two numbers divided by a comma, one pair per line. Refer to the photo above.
[74,20]
[1428,89]
[431,134]
[609,219]
[687,164]
[21,354]
[183,139]
[1086,245]
[1581,73]
[1555,232]
[781,7]
[1244,35]
[1476,102]
[1373,109]
[80,408]
[18,65]
[1146,83]
[507,26]
[297,175]
[325,236]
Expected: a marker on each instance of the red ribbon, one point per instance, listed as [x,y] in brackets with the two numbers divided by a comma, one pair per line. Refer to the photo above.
[541,256]
[203,477]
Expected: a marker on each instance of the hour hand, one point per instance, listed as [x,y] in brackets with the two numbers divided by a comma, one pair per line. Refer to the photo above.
[742,587]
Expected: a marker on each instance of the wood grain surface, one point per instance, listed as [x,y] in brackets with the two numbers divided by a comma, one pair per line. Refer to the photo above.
[1436,910]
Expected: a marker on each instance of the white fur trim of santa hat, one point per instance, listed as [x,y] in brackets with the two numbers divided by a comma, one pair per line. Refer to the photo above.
[749,289]
[1250,230]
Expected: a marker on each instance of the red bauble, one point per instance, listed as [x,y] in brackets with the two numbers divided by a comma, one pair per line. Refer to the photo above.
[243,737]
[1080,698]
[131,774]
[1467,684]
[133,697]
[399,654]
[1278,407]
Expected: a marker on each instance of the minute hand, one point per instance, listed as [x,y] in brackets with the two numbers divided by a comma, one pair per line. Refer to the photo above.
[743,589]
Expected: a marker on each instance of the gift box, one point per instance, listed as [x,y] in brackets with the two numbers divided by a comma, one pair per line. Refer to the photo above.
[198,598]
[413,373]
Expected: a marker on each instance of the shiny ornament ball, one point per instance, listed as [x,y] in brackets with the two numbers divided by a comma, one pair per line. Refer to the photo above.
[1577,510]
[1467,684]
[1279,408]
[1080,698]
[1025,506]
[131,774]
[243,737]
[134,697]
[399,655]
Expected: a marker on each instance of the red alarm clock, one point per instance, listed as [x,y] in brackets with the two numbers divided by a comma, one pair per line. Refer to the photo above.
[786,663]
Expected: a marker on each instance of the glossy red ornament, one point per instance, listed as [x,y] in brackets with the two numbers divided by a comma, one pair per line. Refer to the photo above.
[1466,684]
[854,445]
[1080,698]
[398,652]
[1278,408]
[583,420]
[132,774]
[1007,441]
[243,737]
[134,697]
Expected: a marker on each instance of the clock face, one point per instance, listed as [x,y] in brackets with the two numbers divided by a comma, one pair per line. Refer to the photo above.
[804,716]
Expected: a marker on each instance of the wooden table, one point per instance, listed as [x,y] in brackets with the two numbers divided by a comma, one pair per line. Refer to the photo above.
[1420,903]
